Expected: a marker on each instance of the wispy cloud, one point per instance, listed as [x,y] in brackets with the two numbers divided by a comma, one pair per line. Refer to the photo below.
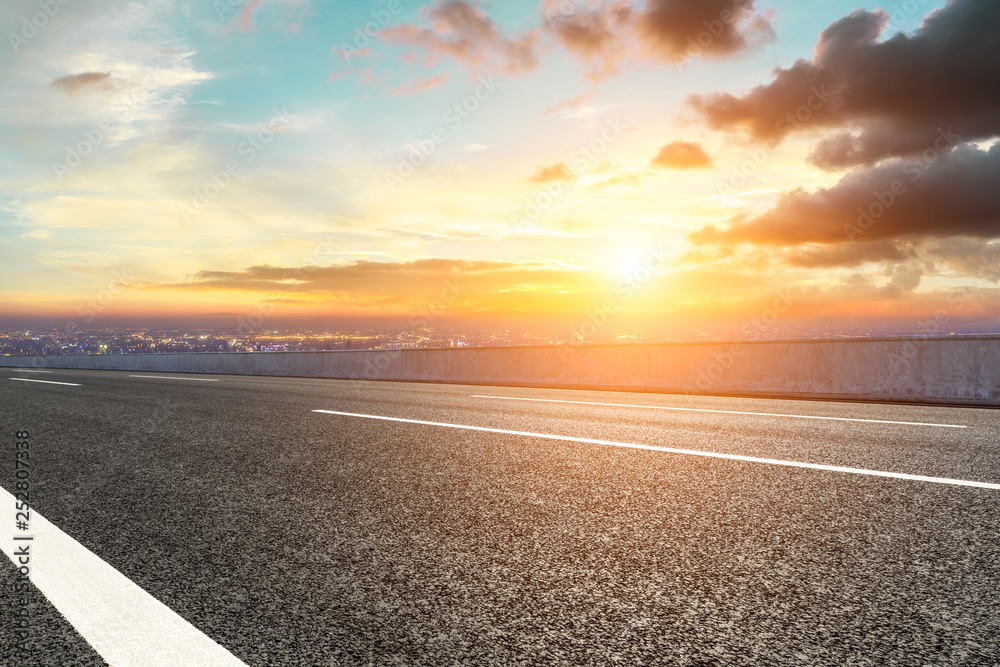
[463,32]
[413,87]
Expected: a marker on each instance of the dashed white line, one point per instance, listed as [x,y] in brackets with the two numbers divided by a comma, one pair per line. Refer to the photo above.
[68,384]
[25,370]
[726,412]
[164,377]
[689,452]
[126,625]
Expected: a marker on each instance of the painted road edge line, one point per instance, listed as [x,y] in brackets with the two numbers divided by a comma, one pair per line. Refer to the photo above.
[689,452]
[126,625]
[165,377]
[727,412]
[68,384]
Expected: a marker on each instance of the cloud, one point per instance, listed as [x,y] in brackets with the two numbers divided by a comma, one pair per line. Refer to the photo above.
[599,37]
[682,155]
[968,257]
[955,195]
[463,32]
[73,84]
[414,87]
[894,289]
[605,35]
[336,76]
[611,35]
[570,105]
[906,278]
[679,29]
[630,178]
[481,286]
[244,20]
[37,234]
[95,65]
[369,77]
[890,98]
[849,254]
[555,172]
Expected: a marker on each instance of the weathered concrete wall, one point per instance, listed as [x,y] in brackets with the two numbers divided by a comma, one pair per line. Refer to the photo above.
[954,370]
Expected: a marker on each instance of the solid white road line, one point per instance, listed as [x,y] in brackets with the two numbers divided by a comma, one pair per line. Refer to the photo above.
[690,452]
[68,384]
[126,625]
[164,377]
[727,412]
[25,370]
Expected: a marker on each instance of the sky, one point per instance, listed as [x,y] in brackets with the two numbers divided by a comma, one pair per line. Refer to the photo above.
[660,164]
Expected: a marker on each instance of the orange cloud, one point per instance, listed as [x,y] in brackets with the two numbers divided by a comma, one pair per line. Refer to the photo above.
[599,37]
[500,287]
[682,155]
[555,172]
[630,179]
[611,35]
[679,29]
[465,33]
[422,84]
[604,37]
[244,21]
[368,76]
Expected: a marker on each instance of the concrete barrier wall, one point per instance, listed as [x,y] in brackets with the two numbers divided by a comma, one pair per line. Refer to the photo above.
[954,370]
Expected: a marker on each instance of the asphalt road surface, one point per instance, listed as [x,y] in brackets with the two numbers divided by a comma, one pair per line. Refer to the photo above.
[279,535]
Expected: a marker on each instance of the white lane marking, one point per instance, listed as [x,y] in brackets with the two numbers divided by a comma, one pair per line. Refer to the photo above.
[25,370]
[68,384]
[164,377]
[690,452]
[126,625]
[727,412]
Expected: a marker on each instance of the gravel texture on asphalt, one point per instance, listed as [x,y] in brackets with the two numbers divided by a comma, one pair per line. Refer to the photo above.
[297,538]
[51,640]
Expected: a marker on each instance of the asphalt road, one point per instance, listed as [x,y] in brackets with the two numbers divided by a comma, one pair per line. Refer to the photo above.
[294,537]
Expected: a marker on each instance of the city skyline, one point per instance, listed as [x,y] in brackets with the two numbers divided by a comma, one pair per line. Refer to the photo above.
[60,341]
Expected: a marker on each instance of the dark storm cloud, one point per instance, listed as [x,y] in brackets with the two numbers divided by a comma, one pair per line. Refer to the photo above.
[955,195]
[888,98]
